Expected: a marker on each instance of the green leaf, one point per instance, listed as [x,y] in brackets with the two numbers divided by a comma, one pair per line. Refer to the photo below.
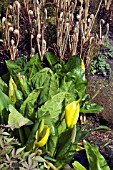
[13,69]
[74,62]
[89,107]
[50,88]
[27,109]
[52,141]
[102,127]
[52,109]
[79,80]
[3,86]
[19,97]
[31,139]
[51,58]
[40,78]
[54,85]
[65,150]
[4,101]
[21,61]
[66,147]
[78,166]
[33,66]
[17,119]
[95,159]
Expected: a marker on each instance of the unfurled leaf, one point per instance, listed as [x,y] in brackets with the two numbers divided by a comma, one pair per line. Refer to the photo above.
[78,166]
[95,159]
[12,88]
[43,136]
[16,118]
[52,109]
[90,107]
[72,114]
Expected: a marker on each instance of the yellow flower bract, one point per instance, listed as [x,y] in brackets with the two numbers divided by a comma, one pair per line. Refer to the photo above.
[44,135]
[72,113]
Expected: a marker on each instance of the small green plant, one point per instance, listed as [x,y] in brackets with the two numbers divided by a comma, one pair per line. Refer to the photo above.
[100,66]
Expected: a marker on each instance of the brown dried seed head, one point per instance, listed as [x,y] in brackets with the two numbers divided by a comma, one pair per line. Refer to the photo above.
[12,42]
[30,12]
[16,31]
[11,29]
[38,36]
[17,3]
[10,7]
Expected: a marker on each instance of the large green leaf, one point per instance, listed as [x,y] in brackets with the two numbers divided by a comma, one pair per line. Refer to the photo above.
[53,108]
[74,62]
[95,159]
[28,107]
[4,101]
[16,118]
[90,107]
[50,88]
[40,77]
[65,148]
[64,143]
[78,78]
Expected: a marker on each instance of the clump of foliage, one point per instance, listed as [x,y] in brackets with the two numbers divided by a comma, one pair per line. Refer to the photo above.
[99,64]
[43,104]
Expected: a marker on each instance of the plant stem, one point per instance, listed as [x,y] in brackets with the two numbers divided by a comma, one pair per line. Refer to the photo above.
[21,136]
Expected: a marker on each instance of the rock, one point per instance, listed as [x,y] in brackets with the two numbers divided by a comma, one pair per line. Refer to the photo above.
[101,90]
